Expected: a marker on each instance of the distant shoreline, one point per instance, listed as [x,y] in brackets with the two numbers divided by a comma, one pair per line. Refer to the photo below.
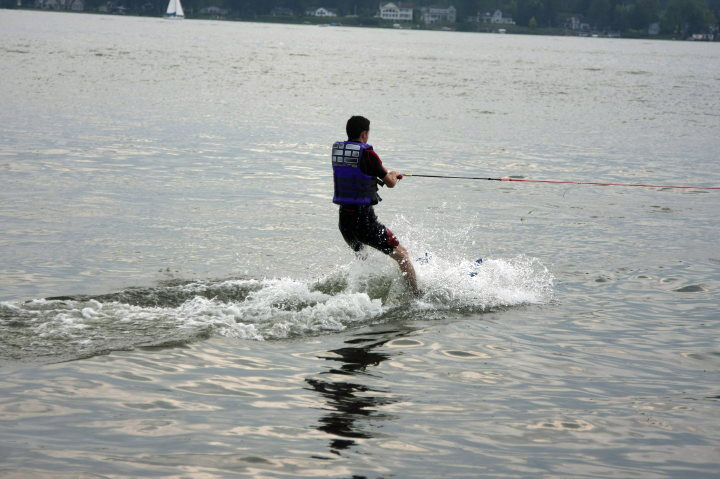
[363,22]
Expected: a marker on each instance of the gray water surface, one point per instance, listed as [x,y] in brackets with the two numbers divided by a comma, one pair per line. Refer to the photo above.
[176,300]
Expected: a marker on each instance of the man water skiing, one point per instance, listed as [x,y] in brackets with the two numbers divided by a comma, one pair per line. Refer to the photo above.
[357,171]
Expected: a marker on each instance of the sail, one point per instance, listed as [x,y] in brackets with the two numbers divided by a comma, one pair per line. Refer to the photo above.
[174,9]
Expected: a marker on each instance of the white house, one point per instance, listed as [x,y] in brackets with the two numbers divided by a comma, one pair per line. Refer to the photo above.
[497,17]
[702,37]
[575,23]
[321,12]
[397,12]
[74,5]
[438,14]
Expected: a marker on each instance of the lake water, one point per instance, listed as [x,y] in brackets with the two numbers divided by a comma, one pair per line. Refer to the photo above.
[168,184]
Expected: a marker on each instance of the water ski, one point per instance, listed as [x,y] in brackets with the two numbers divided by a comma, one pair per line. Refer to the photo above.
[473,267]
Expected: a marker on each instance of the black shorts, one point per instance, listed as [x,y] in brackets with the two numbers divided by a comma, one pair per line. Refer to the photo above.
[359,226]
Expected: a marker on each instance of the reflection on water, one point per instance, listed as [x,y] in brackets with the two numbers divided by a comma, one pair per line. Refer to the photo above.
[354,406]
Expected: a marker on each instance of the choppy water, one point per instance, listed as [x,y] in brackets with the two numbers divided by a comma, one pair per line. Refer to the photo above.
[177,301]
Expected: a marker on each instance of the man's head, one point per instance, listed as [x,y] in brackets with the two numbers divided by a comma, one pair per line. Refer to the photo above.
[355,126]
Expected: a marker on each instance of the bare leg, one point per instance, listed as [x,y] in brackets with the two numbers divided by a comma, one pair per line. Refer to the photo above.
[401,255]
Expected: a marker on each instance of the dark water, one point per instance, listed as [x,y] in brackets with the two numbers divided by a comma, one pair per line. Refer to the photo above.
[177,301]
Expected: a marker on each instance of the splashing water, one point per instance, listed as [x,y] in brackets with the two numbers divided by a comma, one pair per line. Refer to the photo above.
[471,286]
[358,293]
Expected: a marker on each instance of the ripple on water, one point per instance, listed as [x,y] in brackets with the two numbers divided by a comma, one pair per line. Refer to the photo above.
[692,288]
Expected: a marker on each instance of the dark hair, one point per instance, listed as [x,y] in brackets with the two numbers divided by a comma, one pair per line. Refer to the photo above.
[355,126]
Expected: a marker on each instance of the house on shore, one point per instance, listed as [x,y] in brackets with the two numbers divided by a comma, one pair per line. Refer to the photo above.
[71,5]
[702,37]
[576,23]
[321,12]
[397,12]
[437,14]
[495,17]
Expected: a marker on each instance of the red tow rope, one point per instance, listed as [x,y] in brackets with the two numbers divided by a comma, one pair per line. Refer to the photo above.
[568,182]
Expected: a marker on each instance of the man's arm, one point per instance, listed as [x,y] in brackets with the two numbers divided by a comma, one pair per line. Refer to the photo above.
[391,178]
[377,169]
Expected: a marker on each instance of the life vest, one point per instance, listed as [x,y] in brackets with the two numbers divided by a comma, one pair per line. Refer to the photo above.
[352,186]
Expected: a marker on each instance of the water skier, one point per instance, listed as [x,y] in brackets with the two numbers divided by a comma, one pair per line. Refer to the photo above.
[357,172]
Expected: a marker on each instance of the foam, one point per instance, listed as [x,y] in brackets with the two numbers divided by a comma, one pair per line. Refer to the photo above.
[360,292]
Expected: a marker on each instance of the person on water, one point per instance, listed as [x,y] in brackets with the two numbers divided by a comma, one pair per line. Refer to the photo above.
[357,172]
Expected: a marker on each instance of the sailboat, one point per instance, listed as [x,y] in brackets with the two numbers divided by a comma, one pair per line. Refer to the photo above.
[174,10]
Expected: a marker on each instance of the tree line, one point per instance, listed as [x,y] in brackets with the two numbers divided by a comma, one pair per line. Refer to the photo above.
[674,17]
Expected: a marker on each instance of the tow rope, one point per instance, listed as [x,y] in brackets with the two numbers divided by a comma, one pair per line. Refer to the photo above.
[566,182]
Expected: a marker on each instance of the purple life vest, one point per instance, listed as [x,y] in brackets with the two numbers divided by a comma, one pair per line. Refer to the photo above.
[352,186]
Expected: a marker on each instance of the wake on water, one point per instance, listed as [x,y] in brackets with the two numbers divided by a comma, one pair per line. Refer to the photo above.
[359,293]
